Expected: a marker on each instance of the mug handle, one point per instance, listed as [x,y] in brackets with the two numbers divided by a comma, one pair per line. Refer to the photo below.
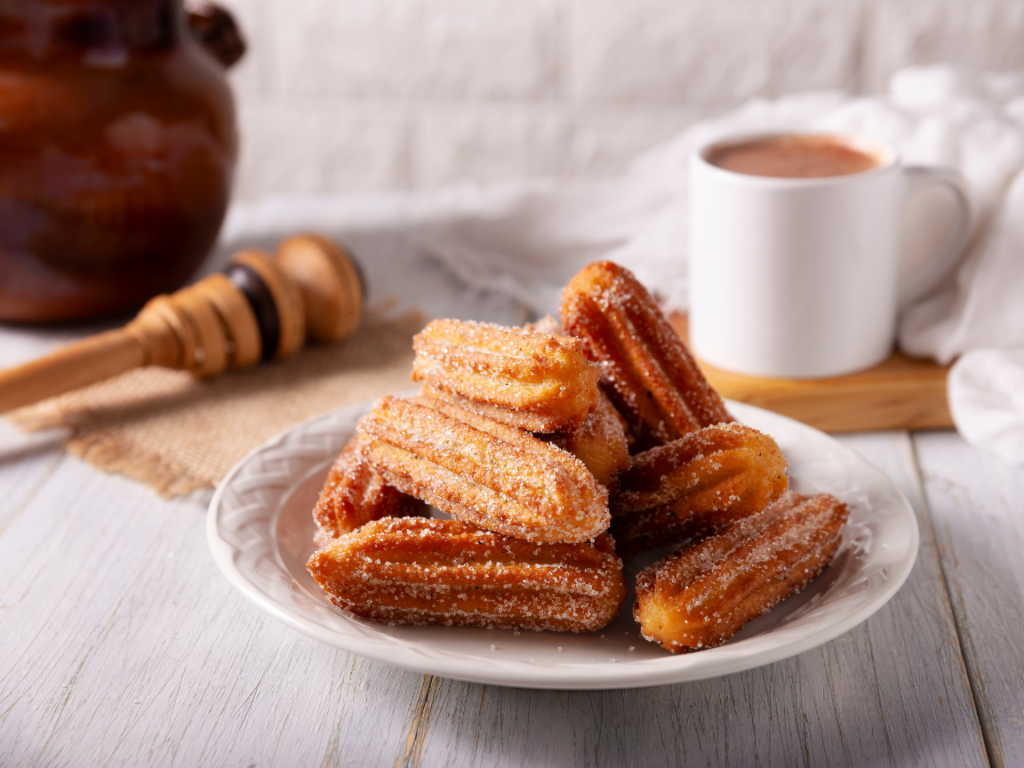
[922,281]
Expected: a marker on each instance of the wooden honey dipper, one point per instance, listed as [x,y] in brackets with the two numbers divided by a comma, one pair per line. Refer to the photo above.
[259,308]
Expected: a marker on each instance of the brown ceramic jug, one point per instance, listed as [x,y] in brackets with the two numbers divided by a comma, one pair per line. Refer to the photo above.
[117,149]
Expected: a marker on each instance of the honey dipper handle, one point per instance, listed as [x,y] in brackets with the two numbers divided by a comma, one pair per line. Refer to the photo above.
[76,365]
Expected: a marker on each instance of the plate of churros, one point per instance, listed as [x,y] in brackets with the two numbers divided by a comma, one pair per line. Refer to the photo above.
[564,505]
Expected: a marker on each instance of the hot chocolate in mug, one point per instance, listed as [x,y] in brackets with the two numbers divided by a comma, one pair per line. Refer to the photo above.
[795,251]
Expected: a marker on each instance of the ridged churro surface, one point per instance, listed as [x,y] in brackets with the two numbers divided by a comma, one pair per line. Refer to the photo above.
[650,375]
[702,480]
[423,571]
[600,443]
[355,494]
[483,472]
[699,597]
[540,382]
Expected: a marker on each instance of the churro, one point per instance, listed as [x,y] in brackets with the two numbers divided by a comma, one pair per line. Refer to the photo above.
[703,480]
[423,571]
[482,471]
[651,377]
[600,443]
[540,382]
[699,597]
[355,494]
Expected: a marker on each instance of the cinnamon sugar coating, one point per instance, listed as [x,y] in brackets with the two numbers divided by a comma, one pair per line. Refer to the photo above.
[520,419]
[701,596]
[354,494]
[540,382]
[646,369]
[482,471]
[600,443]
[424,571]
[703,480]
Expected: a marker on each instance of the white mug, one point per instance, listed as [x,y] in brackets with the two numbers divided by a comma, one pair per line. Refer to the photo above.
[801,277]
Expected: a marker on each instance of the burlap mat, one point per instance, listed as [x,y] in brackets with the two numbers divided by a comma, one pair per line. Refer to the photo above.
[179,434]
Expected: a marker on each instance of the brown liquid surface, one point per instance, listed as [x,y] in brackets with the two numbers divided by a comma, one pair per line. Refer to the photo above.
[793,157]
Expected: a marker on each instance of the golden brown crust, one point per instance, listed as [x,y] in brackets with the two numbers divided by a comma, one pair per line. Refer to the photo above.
[422,571]
[518,419]
[701,481]
[354,494]
[600,443]
[646,369]
[540,382]
[483,472]
[699,597]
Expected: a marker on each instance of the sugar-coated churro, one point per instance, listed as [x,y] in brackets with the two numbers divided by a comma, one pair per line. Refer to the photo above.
[355,494]
[483,472]
[703,480]
[540,382]
[651,377]
[600,443]
[699,597]
[422,571]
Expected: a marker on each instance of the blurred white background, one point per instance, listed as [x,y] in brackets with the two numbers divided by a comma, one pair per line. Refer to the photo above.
[347,95]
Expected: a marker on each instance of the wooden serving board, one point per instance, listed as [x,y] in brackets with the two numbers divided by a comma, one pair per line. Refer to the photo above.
[901,393]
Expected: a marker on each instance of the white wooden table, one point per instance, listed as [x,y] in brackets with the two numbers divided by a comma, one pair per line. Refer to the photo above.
[122,645]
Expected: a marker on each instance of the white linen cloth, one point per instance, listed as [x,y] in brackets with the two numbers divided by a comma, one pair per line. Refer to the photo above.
[521,241]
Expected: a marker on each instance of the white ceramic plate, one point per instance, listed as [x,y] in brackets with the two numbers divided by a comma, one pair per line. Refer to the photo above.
[260,530]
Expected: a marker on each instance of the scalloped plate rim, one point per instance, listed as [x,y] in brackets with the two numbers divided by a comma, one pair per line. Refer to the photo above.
[569,675]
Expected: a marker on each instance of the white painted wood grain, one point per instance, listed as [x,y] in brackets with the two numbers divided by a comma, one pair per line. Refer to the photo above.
[26,462]
[891,692]
[122,645]
[977,507]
